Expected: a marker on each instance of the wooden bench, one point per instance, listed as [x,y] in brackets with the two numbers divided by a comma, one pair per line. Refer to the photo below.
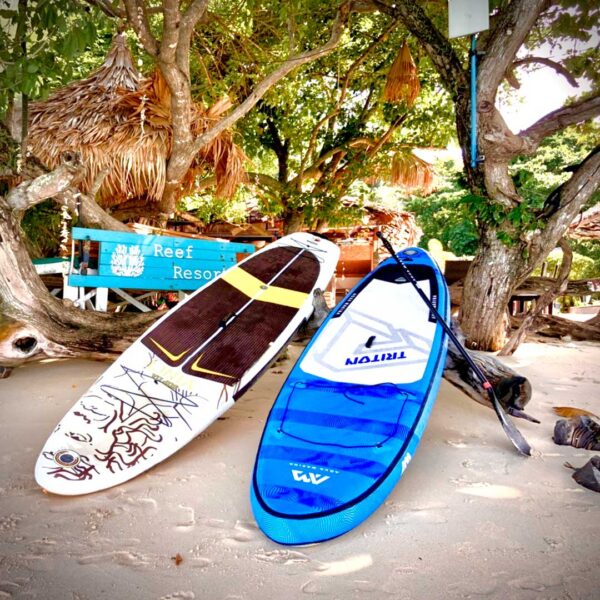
[112,260]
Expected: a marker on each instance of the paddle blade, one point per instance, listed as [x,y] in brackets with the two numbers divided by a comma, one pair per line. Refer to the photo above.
[514,435]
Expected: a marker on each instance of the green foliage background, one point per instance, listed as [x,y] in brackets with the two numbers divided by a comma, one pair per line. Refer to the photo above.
[242,42]
[451,213]
[63,43]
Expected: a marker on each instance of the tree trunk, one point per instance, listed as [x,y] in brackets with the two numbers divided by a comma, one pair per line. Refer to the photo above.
[498,268]
[293,220]
[34,324]
[560,285]
[487,291]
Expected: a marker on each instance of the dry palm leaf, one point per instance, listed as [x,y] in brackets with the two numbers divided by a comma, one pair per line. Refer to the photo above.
[221,156]
[120,123]
[411,172]
[85,116]
[402,82]
[570,412]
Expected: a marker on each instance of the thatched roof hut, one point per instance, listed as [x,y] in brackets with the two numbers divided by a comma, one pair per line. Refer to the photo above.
[120,122]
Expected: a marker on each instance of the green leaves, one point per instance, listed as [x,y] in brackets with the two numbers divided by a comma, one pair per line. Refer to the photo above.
[46,49]
[447,214]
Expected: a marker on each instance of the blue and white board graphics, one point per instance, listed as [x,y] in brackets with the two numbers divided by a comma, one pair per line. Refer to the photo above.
[187,369]
[352,411]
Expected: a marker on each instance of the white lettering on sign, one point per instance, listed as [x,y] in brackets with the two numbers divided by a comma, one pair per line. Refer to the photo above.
[181,273]
[166,252]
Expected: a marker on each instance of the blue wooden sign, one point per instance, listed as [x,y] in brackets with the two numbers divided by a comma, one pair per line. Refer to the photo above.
[155,262]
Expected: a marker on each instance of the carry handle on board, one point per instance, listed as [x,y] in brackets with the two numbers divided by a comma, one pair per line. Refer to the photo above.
[511,431]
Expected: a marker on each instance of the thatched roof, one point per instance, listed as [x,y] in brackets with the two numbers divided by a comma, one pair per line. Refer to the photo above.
[405,170]
[399,226]
[120,122]
[402,83]
[587,225]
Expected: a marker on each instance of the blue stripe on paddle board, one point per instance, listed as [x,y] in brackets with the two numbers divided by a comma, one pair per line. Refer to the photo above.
[337,461]
[312,501]
[366,432]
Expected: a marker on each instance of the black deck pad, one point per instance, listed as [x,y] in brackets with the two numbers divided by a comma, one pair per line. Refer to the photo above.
[299,276]
[178,336]
[177,339]
[241,343]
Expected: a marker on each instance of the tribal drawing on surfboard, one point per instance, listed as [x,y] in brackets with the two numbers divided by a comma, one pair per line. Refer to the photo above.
[187,369]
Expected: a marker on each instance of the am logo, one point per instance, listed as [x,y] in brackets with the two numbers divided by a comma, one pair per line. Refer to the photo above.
[312,478]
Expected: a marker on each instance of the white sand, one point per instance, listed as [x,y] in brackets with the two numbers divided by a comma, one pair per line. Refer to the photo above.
[470,518]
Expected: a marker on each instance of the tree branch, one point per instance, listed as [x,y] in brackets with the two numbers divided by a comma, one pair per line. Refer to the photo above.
[558,288]
[267,182]
[386,136]
[572,196]
[335,110]
[582,110]
[548,63]
[511,28]
[48,185]
[137,16]
[266,84]
[195,11]
[170,35]
[110,9]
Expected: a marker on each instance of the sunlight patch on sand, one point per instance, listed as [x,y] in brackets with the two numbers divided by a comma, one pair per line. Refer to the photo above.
[347,565]
[488,490]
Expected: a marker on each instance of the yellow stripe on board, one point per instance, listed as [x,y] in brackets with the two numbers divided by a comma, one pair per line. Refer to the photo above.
[173,357]
[198,369]
[257,290]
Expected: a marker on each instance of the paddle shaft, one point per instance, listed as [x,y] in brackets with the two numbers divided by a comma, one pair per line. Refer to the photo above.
[513,433]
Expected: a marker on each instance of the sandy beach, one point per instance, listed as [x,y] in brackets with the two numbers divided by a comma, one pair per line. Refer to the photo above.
[469,519]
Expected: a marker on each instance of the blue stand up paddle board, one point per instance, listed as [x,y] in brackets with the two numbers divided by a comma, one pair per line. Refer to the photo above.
[352,411]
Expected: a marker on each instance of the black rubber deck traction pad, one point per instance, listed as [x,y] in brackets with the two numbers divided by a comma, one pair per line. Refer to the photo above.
[178,337]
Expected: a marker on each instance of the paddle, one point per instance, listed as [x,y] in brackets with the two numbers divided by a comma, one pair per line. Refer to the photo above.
[511,431]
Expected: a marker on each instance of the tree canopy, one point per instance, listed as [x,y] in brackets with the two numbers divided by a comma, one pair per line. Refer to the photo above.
[307,85]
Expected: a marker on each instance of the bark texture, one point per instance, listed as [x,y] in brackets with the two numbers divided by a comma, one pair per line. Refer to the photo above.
[499,267]
[33,323]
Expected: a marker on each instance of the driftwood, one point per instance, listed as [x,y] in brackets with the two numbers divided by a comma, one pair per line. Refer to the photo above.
[536,286]
[557,327]
[512,389]
[558,288]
